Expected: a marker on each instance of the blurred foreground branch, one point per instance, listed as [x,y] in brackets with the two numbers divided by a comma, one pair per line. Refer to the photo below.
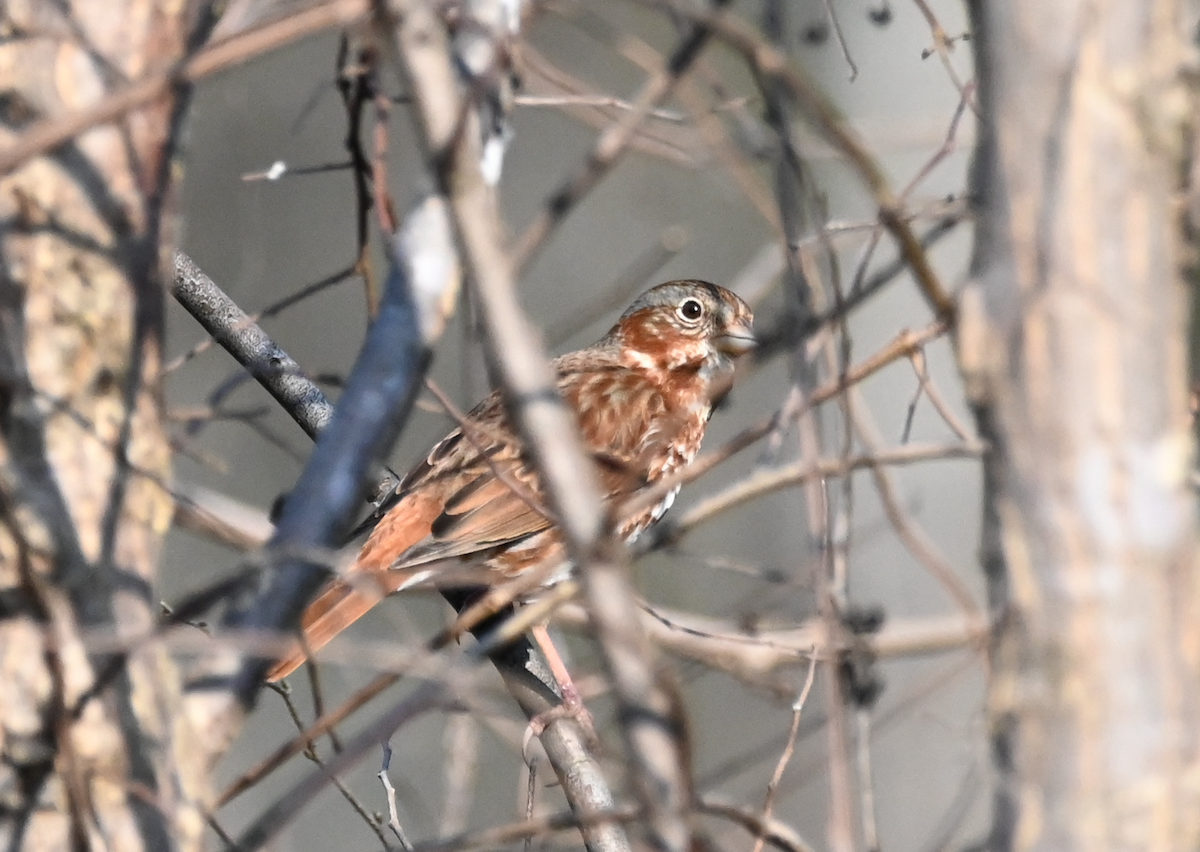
[1073,345]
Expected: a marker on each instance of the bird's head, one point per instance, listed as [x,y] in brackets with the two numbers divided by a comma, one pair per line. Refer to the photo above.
[685,325]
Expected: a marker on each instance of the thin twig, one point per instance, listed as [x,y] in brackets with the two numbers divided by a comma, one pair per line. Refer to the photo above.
[915,539]
[929,388]
[808,772]
[452,680]
[530,796]
[783,837]
[632,279]
[942,45]
[311,754]
[900,347]
[592,100]
[390,795]
[836,23]
[301,741]
[610,145]
[356,85]
[788,749]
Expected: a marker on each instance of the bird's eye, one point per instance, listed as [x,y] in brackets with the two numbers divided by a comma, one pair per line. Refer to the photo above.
[691,310]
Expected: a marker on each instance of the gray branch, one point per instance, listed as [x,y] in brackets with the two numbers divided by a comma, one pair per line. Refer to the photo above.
[242,338]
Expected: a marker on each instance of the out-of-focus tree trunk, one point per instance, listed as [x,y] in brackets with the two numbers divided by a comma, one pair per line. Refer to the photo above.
[84,457]
[1073,346]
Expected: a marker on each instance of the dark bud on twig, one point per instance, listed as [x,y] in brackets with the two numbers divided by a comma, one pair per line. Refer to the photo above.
[861,680]
[815,34]
[882,16]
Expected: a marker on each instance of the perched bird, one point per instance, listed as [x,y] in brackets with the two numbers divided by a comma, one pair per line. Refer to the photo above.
[643,395]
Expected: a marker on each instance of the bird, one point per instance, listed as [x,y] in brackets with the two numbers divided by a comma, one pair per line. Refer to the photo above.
[642,396]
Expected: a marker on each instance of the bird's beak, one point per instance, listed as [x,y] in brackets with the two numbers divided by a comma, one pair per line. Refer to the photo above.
[738,339]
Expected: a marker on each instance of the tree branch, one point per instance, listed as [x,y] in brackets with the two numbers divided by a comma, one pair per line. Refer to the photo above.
[320,509]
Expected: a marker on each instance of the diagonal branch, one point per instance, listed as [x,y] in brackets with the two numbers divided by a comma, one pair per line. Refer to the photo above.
[613,142]
[241,337]
[317,515]
[648,707]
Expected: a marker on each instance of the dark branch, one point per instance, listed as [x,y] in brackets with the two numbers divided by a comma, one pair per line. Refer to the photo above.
[320,510]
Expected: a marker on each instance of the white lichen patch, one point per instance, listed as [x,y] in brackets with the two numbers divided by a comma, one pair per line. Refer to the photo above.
[1134,495]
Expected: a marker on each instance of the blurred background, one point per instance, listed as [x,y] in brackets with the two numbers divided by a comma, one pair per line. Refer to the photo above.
[672,208]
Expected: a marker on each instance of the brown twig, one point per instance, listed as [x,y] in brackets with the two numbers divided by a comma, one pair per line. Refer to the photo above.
[719,644]
[302,741]
[926,385]
[220,518]
[670,242]
[610,145]
[740,167]
[356,84]
[788,749]
[836,23]
[910,533]
[311,754]
[949,143]
[942,45]
[904,343]
[783,837]
[768,481]
[808,771]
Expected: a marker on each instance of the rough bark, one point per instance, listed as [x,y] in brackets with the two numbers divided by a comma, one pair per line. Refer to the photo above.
[92,753]
[1072,340]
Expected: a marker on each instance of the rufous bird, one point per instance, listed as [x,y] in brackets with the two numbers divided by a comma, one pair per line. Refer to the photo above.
[643,395]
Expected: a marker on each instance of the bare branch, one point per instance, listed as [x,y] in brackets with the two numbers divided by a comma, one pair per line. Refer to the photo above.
[611,144]
[319,511]
[651,720]
[242,338]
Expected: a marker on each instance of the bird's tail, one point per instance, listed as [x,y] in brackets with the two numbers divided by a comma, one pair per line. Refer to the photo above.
[333,611]
[375,575]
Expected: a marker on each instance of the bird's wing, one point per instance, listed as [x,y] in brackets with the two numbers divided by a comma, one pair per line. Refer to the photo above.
[483,512]
[493,496]
[485,492]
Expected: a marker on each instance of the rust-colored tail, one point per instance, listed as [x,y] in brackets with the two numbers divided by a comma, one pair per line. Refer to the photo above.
[375,577]
[333,611]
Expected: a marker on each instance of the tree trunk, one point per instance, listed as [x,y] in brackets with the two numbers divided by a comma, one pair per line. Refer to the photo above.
[92,753]
[1072,342]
